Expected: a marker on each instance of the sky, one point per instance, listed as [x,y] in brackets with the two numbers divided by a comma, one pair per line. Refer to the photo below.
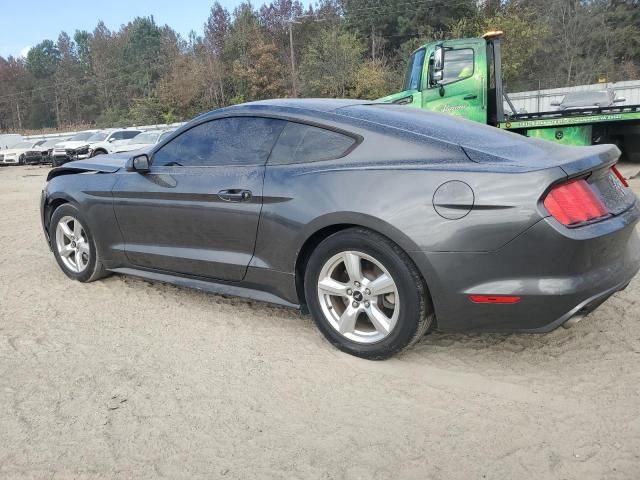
[25,23]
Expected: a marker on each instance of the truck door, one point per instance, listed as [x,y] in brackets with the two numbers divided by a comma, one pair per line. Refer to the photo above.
[463,88]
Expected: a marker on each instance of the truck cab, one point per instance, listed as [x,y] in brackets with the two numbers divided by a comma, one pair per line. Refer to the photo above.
[449,77]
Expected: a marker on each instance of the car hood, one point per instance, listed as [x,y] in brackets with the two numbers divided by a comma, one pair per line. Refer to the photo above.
[14,151]
[100,164]
[74,144]
[129,147]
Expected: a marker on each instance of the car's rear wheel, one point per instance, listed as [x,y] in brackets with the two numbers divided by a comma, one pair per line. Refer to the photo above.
[73,245]
[366,295]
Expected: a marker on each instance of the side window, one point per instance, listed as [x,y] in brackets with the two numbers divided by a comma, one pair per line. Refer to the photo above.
[226,141]
[129,134]
[117,135]
[458,65]
[300,143]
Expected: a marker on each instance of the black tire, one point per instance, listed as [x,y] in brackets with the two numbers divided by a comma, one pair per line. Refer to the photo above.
[99,152]
[21,160]
[416,311]
[94,269]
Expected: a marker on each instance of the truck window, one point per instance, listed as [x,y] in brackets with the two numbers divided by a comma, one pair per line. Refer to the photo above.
[414,70]
[458,65]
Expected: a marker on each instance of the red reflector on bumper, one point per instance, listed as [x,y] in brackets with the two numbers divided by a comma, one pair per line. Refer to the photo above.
[493,299]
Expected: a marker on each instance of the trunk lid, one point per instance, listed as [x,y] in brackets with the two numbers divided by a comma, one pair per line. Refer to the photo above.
[615,196]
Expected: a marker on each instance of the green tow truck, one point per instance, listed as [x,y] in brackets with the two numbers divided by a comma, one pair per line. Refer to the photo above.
[463,77]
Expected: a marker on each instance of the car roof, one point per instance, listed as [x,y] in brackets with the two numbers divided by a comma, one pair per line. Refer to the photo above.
[299,105]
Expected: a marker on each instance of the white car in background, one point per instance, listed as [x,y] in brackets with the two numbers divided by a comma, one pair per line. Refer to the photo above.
[16,154]
[144,140]
[108,141]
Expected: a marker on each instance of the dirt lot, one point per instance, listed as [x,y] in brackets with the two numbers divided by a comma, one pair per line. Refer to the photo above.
[126,379]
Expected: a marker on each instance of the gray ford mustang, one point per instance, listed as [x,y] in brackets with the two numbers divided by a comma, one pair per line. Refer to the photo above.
[381,220]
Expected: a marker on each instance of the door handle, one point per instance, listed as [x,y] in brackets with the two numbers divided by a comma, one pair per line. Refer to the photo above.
[470,97]
[235,195]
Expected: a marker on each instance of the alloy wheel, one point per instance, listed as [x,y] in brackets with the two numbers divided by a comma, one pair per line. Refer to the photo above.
[358,297]
[72,244]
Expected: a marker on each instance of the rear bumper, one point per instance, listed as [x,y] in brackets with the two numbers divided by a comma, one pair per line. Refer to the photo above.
[558,273]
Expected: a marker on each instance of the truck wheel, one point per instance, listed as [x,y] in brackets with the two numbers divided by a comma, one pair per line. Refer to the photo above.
[631,148]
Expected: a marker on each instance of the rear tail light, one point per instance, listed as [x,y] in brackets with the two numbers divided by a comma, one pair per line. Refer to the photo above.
[574,202]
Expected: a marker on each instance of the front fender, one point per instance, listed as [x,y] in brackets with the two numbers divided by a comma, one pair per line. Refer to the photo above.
[91,194]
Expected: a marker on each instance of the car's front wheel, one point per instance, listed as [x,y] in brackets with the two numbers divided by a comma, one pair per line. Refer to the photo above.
[366,295]
[21,160]
[73,245]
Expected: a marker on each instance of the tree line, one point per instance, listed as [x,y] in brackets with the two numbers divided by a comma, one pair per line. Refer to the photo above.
[148,73]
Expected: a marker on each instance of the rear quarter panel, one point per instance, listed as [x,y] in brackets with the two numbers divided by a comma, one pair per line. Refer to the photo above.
[396,200]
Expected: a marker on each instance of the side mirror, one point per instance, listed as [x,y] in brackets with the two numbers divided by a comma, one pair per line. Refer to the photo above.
[111,140]
[437,70]
[139,163]
[619,99]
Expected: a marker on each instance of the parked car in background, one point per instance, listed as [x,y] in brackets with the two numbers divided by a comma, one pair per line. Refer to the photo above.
[588,99]
[144,140]
[107,141]
[17,154]
[74,148]
[47,148]
[34,156]
[8,140]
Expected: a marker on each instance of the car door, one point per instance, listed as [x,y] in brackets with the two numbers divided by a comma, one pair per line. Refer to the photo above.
[196,211]
[462,89]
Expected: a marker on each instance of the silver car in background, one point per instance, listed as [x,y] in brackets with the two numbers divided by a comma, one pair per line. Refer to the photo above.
[143,140]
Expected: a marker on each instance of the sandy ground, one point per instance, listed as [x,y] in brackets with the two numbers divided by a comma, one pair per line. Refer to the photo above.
[126,379]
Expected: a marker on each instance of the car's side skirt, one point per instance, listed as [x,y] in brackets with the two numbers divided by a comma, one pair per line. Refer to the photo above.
[207,286]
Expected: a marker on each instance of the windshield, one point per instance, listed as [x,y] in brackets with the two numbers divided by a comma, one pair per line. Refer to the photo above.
[78,137]
[23,145]
[414,71]
[98,137]
[148,137]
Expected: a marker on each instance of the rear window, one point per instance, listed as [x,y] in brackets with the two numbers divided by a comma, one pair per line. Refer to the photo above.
[299,143]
